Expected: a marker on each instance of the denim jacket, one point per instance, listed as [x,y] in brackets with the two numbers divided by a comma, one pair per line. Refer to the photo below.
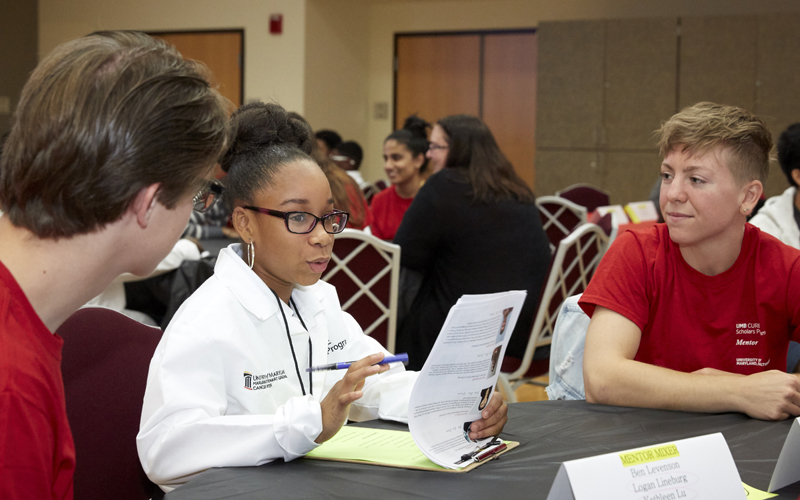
[566,352]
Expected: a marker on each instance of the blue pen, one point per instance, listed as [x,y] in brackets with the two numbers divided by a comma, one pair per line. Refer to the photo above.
[400,358]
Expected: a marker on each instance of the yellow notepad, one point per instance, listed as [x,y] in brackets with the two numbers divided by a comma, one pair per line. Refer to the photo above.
[382,447]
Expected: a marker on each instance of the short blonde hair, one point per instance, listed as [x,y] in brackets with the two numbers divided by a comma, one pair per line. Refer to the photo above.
[706,126]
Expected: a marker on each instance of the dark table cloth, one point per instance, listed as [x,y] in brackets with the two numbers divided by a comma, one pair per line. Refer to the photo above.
[549,433]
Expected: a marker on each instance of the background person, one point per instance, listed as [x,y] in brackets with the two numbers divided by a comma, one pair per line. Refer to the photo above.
[696,314]
[213,223]
[404,163]
[473,228]
[347,196]
[348,156]
[113,137]
[326,140]
[228,384]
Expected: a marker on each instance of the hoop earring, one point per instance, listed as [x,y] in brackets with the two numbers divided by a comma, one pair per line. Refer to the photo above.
[251,254]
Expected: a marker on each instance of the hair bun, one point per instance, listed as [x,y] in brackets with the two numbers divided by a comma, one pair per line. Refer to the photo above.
[258,126]
[417,126]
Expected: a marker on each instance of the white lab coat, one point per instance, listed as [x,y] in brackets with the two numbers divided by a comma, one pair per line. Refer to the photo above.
[776,217]
[223,389]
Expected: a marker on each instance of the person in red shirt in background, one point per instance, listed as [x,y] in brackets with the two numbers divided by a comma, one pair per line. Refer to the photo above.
[697,314]
[404,163]
[114,140]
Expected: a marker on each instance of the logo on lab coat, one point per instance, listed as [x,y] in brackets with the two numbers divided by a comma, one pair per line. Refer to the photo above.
[337,346]
[258,382]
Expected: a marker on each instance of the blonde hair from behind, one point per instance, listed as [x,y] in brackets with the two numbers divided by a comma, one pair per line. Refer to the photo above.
[706,126]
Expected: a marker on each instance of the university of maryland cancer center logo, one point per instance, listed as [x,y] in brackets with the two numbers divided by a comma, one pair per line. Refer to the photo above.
[259,382]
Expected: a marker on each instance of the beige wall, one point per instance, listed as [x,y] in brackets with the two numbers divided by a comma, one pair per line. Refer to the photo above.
[334,61]
[388,18]
[336,57]
[274,64]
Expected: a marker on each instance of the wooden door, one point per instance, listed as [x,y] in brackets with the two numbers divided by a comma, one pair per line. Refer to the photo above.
[489,75]
[437,76]
[221,51]
[509,97]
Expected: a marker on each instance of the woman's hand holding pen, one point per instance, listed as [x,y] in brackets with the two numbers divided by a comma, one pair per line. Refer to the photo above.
[495,416]
[336,405]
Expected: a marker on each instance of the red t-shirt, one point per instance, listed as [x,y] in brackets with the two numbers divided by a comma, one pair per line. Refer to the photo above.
[738,321]
[37,455]
[388,210]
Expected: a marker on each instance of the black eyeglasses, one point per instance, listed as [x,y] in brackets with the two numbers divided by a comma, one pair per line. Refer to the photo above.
[304,222]
[205,198]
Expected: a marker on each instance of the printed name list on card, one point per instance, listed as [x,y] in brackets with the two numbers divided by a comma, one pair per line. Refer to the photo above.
[700,467]
[787,470]
[460,375]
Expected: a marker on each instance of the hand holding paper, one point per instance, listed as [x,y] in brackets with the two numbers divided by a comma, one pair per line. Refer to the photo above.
[453,410]
[495,416]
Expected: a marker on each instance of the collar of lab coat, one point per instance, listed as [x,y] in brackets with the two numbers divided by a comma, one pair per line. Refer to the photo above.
[255,296]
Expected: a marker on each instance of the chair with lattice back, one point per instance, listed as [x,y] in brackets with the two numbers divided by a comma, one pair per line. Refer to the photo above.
[559,217]
[366,271]
[585,195]
[373,189]
[570,271]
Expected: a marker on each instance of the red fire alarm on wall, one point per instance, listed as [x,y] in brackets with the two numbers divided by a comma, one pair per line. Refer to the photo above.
[276,24]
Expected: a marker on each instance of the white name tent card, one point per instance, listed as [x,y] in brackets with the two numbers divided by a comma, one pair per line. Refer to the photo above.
[787,470]
[700,467]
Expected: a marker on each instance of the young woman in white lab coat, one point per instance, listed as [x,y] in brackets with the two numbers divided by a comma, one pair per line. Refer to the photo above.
[228,384]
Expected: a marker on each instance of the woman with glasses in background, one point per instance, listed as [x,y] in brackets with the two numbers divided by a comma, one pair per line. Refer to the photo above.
[229,383]
[473,228]
[405,164]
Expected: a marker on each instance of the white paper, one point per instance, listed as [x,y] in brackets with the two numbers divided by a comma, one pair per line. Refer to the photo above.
[622,217]
[700,467]
[787,470]
[641,211]
[460,374]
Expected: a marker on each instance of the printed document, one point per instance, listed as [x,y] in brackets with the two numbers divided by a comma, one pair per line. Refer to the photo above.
[460,375]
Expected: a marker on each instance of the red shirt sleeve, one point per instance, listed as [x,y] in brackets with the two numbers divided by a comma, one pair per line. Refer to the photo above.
[620,282]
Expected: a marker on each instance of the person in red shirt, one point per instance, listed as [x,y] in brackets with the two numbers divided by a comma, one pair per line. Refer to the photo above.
[696,314]
[113,142]
[404,163]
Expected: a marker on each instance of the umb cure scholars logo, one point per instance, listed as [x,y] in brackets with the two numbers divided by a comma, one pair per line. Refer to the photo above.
[749,329]
[248,381]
